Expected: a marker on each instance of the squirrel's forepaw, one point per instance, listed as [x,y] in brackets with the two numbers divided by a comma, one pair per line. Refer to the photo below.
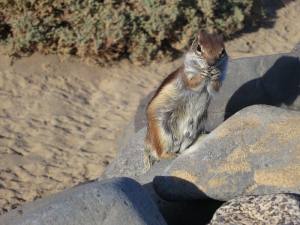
[149,161]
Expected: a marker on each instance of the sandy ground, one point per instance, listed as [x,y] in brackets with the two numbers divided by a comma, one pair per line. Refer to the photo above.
[59,120]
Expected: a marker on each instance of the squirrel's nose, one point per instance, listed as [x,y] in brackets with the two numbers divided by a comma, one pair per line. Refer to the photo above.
[211,62]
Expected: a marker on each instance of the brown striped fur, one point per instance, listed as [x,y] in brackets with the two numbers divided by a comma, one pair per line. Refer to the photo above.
[154,138]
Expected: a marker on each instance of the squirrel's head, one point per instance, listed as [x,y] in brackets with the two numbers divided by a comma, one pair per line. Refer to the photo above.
[209,47]
[207,53]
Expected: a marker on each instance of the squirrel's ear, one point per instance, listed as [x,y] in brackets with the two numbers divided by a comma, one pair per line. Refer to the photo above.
[201,34]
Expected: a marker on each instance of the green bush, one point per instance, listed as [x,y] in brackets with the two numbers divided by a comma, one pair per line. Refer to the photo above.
[109,30]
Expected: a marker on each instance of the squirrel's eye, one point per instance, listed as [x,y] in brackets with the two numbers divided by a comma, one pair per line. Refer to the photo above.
[199,49]
[222,52]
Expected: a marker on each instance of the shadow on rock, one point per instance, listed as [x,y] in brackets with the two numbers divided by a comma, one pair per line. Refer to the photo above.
[162,187]
[279,85]
[192,212]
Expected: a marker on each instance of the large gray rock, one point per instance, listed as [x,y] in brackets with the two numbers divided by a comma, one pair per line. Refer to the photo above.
[256,151]
[277,209]
[130,159]
[242,87]
[272,80]
[129,162]
[112,202]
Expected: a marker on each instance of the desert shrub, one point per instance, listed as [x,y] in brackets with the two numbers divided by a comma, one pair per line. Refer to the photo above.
[109,30]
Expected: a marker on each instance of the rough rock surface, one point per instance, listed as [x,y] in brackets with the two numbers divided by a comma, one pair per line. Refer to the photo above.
[260,82]
[116,201]
[256,151]
[129,162]
[130,159]
[278,209]
[272,80]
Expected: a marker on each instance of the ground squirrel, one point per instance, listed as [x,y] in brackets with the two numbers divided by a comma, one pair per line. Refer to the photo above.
[177,113]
